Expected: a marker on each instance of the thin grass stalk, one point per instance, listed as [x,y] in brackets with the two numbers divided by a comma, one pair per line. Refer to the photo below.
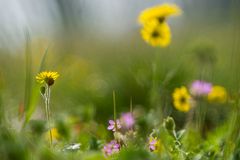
[114,107]
[28,74]
[131,106]
[189,119]
[131,110]
[114,110]
[2,111]
[115,114]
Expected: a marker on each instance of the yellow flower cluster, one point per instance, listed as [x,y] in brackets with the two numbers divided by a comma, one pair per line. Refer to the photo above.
[155,29]
[48,77]
[217,94]
[181,99]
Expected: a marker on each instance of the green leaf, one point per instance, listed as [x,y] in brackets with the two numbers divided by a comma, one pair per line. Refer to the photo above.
[180,134]
[31,91]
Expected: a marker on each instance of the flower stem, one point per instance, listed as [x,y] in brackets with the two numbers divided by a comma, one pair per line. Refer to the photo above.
[114,106]
[115,111]
[154,92]
[47,107]
[201,114]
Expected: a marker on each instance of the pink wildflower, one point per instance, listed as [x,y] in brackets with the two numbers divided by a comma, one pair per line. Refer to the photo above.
[127,120]
[111,148]
[200,88]
[114,126]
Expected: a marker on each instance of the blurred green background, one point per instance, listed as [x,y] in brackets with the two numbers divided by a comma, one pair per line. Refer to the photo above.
[96,47]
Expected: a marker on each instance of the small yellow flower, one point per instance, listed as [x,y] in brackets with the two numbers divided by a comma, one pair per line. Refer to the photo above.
[217,94]
[55,134]
[181,99]
[155,145]
[48,77]
[156,34]
[159,12]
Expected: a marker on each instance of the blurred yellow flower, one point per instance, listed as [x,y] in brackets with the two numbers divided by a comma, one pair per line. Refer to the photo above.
[48,77]
[217,94]
[181,99]
[156,34]
[155,145]
[55,134]
[159,12]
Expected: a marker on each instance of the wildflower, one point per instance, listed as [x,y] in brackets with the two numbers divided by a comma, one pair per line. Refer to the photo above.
[48,77]
[159,12]
[127,120]
[181,99]
[72,147]
[217,94]
[200,88]
[111,148]
[154,144]
[155,34]
[114,126]
[54,134]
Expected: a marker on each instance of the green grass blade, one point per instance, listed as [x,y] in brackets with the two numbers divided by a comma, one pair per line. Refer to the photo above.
[34,93]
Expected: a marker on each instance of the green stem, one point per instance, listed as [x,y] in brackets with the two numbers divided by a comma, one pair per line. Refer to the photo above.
[115,111]
[189,119]
[47,107]
[154,94]
[114,107]
[201,113]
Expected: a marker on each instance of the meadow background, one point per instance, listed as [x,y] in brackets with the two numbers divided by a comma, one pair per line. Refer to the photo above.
[96,47]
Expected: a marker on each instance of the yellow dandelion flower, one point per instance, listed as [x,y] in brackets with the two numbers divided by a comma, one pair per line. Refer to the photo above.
[55,134]
[181,99]
[159,12]
[155,34]
[217,94]
[48,77]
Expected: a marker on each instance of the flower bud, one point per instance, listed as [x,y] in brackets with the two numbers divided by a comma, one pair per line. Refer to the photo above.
[42,90]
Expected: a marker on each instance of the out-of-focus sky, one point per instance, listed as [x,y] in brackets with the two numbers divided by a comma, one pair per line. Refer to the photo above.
[46,18]
[107,18]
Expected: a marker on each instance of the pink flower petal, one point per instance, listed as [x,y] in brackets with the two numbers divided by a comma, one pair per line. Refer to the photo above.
[111,122]
[111,127]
